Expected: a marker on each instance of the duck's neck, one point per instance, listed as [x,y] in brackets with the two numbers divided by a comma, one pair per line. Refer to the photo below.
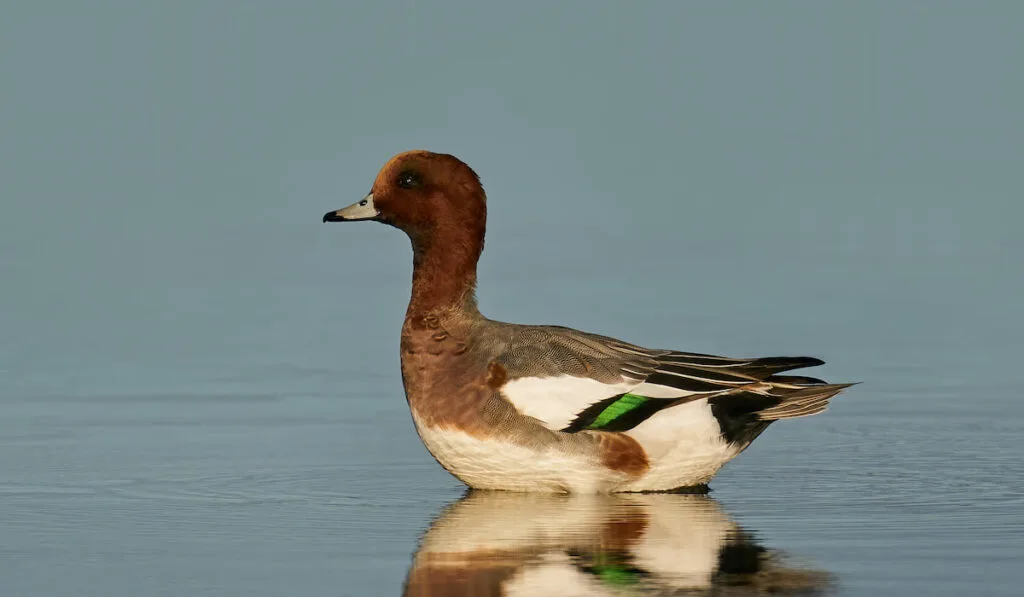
[444,272]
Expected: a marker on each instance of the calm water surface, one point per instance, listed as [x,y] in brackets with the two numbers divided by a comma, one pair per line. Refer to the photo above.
[264,469]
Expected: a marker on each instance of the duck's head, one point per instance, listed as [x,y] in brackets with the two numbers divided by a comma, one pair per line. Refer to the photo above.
[422,193]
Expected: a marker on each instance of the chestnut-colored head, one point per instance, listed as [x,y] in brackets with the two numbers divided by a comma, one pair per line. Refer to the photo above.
[423,194]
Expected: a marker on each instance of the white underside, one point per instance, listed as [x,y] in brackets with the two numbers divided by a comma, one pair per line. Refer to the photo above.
[684,446]
[495,464]
[683,443]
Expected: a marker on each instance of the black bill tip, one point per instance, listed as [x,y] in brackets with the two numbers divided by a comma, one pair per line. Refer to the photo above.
[332,216]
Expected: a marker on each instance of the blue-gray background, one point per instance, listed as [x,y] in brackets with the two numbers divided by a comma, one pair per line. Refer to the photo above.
[178,330]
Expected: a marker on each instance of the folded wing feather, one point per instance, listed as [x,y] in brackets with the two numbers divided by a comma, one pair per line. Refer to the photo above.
[571,381]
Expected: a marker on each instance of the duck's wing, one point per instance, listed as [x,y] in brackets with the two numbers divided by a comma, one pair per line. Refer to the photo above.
[572,380]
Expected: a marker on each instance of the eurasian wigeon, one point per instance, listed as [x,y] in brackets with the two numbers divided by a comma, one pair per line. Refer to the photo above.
[549,408]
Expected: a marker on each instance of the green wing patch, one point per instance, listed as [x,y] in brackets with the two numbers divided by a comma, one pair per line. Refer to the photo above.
[617,413]
[624,404]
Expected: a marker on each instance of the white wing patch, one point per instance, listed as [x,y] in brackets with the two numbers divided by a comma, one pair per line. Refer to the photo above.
[557,400]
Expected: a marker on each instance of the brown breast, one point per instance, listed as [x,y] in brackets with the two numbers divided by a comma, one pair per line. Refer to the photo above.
[446,383]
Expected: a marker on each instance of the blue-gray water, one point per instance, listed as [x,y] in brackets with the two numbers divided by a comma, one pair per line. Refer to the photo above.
[199,387]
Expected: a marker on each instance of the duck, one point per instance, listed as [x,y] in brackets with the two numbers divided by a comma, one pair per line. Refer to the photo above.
[547,408]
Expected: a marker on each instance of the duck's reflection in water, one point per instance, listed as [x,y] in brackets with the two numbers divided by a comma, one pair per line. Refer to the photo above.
[499,543]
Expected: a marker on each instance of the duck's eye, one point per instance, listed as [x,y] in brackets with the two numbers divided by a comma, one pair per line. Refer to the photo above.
[408,180]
